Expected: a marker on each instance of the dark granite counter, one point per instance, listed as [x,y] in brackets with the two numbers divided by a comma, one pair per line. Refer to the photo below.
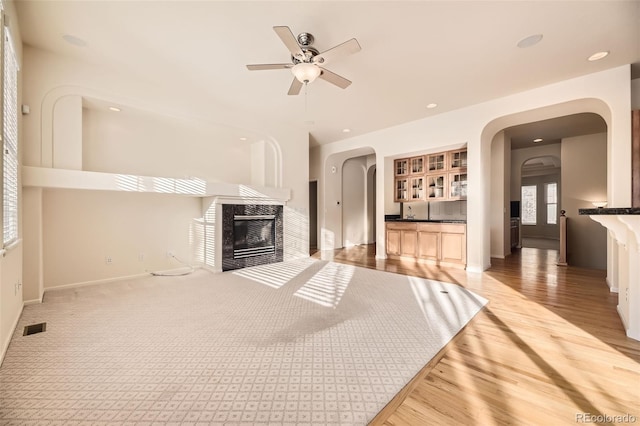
[610,211]
[425,220]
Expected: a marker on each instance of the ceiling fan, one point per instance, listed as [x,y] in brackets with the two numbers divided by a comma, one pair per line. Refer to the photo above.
[306,60]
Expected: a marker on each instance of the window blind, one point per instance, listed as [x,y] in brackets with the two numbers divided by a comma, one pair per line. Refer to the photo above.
[10,138]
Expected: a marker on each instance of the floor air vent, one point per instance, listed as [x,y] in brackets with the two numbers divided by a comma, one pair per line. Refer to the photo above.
[35,328]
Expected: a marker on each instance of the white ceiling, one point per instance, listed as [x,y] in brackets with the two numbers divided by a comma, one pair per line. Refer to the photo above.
[555,129]
[413,52]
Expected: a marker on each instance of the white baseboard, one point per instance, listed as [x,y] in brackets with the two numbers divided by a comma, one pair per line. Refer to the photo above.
[32,302]
[612,289]
[5,344]
[95,282]
[623,319]
[114,279]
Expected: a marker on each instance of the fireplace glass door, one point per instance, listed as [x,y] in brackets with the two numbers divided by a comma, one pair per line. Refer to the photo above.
[253,235]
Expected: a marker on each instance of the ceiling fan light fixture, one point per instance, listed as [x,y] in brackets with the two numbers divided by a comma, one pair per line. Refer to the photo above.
[306,72]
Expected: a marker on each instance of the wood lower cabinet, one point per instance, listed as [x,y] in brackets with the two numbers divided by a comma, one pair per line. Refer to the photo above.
[393,242]
[408,243]
[429,241]
[402,239]
[453,243]
[440,243]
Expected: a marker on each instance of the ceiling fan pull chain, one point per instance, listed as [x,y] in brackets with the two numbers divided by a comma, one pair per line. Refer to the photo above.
[306,109]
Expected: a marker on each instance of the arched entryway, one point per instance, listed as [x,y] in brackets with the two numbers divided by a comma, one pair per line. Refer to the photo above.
[570,166]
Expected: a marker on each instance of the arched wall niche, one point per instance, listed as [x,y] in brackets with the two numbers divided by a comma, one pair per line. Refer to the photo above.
[166,143]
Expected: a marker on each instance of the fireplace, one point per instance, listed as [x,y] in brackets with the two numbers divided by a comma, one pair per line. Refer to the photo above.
[251,235]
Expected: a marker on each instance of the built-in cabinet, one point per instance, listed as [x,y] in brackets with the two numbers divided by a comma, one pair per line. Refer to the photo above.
[440,243]
[402,239]
[432,177]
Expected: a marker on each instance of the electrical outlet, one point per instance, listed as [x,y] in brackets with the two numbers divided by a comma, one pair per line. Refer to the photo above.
[141,257]
[108,260]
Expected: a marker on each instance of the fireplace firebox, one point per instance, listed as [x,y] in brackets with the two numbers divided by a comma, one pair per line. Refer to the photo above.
[251,235]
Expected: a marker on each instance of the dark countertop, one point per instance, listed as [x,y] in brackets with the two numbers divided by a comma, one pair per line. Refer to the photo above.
[426,220]
[610,210]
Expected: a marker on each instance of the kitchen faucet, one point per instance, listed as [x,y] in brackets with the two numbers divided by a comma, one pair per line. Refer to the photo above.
[409,215]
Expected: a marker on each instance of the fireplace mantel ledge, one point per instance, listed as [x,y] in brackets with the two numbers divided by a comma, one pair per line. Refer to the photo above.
[45,177]
[618,220]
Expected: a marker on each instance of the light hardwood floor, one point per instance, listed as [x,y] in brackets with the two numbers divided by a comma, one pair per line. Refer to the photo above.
[548,349]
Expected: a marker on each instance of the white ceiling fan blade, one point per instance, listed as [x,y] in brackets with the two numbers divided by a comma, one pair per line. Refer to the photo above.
[334,78]
[346,48]
[296,85]
[290,41]
[259,67]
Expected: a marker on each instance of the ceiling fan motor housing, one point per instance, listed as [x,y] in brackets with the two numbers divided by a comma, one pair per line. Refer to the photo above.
[305,40]
[309,53]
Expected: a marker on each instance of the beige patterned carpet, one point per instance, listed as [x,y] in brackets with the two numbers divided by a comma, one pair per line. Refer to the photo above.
[300,342]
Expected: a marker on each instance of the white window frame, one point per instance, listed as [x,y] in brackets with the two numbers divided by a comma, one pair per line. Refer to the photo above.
[524,207]
[10,166]
[552,219]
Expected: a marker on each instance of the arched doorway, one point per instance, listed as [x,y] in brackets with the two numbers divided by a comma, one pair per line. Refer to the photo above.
[545,166]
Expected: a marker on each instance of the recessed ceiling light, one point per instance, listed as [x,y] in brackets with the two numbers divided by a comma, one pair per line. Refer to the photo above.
[346,130]
[116,109]
[529,41]
[537,140]
[76,41]
[597,56]
[432,106]
[242,138]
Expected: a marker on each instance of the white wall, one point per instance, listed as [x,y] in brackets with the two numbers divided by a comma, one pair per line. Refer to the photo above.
[354,201]
[141,143]
[32,244]
[82,228]
[606,93]
[67,133]
[11,279]
[584,177]
[500,187]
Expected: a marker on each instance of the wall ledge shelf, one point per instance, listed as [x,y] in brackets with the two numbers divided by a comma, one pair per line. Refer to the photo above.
[44,177]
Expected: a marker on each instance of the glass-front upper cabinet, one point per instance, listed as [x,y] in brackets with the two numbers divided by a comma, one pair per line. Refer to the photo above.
[417,165]
[417,188]
[436,162]
[436,187]
[458,186]
[458,159]
[401,192]
[401,167]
